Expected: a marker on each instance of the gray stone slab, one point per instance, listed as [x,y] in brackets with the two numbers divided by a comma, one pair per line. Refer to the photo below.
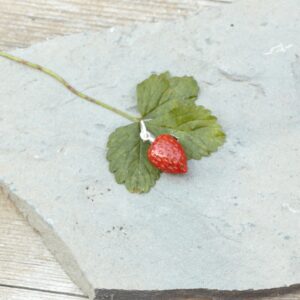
[232,223]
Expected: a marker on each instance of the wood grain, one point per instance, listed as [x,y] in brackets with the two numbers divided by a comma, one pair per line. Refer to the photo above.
[25,22]
[8,293]
[27,269]
[24,260]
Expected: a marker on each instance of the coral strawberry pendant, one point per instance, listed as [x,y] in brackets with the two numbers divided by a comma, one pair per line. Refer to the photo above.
[167,154]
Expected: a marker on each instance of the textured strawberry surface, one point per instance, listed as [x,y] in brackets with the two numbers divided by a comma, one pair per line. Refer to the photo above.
[167,154]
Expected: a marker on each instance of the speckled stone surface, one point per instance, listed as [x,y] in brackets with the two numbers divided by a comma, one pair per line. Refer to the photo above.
[232,222]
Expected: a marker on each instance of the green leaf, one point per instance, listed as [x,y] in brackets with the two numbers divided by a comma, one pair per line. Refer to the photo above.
[127,156]
[150,91]
[170,104]
[194,126]
[161,93]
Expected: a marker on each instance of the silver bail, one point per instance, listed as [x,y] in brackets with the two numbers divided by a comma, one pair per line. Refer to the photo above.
[145,134]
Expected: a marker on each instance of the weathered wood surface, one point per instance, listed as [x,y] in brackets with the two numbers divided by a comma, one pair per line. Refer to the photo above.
[27,269]
[26,263]
[25,22]
[7,293]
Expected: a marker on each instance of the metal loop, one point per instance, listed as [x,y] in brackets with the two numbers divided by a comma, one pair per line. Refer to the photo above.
[145,134]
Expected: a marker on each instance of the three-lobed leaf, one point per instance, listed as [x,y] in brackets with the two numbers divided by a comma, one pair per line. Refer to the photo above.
[169,103]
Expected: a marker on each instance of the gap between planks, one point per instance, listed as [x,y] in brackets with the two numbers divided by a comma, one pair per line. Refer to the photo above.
[17,293]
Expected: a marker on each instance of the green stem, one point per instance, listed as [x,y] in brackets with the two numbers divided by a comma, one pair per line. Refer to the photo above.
[69,87]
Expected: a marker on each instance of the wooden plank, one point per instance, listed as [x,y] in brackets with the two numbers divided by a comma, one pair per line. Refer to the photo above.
[24,259]
[8,293]
[25,22]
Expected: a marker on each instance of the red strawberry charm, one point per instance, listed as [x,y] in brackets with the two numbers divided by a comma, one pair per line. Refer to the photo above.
[167,154]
